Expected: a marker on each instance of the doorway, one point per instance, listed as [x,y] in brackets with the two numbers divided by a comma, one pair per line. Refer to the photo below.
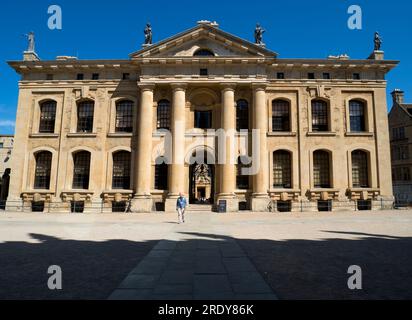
[202,184]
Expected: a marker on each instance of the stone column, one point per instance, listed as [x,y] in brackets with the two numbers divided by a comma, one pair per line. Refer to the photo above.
[142,201]
[260,197]
[228,168]
[383,154]
[178,128]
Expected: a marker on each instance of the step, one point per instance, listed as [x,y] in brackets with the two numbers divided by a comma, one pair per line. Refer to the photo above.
[199,208]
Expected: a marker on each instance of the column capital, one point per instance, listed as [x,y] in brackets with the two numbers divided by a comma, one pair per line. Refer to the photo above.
[228,86]
[259,86]
[146,86]
[179,86]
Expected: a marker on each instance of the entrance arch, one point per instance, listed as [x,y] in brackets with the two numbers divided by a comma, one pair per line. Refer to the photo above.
[202,181]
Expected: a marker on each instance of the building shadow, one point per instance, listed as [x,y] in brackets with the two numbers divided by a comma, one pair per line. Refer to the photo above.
[317,269]
[295,269]
[91,270]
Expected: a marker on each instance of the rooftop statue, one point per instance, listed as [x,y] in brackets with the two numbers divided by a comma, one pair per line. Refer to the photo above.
[259,31]
[31,41]
[148,35]
[378,41]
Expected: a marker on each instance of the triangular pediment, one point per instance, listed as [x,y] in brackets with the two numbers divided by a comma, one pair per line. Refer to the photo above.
[204,36]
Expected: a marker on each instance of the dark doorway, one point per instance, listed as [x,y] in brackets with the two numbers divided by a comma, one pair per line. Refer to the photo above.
[4,188]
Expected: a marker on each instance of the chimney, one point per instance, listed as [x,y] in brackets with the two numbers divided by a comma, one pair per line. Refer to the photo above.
[398,96]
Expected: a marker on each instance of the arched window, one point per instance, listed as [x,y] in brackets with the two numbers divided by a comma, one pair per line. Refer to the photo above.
[81,170]
[47,116]
[357,116]
[360,171]
[163,114]
[242,115]
[242,180]
[282,169]
[203,53]
[280,115]
[43,170]
[121,170]
[321,169]
[85,113]
[161,174]
[320,116]
[124,116]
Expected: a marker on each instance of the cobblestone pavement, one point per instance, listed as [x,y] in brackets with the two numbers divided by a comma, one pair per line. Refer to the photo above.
[216,256]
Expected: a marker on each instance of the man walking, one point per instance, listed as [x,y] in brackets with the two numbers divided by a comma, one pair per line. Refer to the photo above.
[181,207]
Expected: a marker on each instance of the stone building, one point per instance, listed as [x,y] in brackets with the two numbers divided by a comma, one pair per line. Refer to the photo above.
[94,134]
[6,147]
[400,128]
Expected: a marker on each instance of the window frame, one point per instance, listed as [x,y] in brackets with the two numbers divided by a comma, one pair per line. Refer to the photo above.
[164,114]
[85,124]
[81,181]
[320,116]
[360,170]
[280,75]
[357,116]
[242,116]
[121,170]
[284,116]
[242,181]
[203,52]
[197,120]
[282,169]
[326,76]
[124,121]
[161,175]
[42,176]
[322,175]
[47,119]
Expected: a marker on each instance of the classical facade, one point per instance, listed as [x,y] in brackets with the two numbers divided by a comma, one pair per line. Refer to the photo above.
[131,134]
[6,147]
[400,125]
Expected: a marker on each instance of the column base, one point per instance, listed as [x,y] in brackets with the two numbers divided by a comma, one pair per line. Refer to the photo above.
[14,205]
[383,203]
[232,202]
[170,204]
[142,205]
[260,203]
[345,205]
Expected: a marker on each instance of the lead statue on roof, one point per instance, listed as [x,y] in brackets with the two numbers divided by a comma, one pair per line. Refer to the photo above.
[31,41]
[259,31]
[378,41]
[148,35]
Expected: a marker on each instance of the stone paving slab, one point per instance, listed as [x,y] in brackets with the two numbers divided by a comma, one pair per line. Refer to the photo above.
[187,267]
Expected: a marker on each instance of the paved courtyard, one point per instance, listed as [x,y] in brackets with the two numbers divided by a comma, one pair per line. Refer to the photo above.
[212,256]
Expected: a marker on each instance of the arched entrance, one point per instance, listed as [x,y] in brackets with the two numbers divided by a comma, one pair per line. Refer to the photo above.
[201,178]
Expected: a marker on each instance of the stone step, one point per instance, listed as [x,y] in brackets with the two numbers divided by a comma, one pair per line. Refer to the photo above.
[199,208]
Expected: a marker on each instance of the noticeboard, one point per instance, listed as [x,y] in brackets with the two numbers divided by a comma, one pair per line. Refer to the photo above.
[222,206]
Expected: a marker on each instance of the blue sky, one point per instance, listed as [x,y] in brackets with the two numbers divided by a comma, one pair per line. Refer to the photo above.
[113,29]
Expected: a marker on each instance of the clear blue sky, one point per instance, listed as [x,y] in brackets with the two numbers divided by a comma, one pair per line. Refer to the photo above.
[113,29]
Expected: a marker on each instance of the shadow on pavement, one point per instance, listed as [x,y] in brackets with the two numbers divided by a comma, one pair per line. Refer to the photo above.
[295,269]
[91,270]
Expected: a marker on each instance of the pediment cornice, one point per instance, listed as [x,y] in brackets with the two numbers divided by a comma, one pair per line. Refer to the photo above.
[208,32]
